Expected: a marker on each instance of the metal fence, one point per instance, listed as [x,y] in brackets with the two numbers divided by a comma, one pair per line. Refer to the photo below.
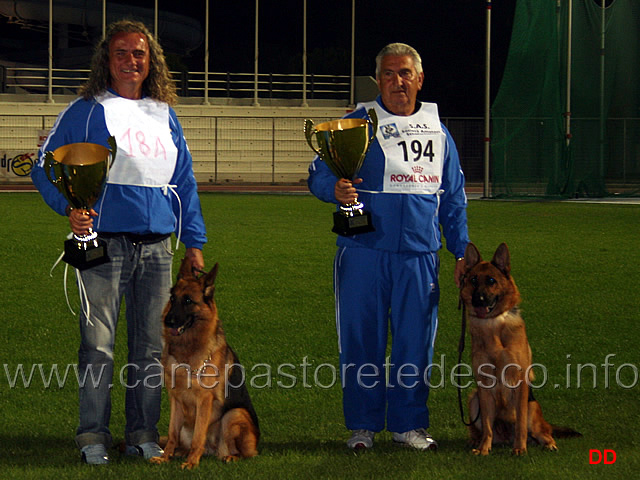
[190,84]
[229,148]
[606,152]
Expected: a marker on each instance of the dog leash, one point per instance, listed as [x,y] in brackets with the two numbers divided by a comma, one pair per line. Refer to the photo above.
[461,344]
[197,272]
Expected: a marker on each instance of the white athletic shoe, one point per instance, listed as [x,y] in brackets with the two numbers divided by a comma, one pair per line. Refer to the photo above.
[361,439]
[418,439]
[146,450]
[95,454]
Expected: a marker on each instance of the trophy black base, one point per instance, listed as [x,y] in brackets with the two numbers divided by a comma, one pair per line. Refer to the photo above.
[83,255]
[349,225]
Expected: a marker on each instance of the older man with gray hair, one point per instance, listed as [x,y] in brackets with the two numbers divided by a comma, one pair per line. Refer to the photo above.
[387,280]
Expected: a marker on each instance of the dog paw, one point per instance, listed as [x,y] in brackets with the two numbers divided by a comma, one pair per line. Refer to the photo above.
[158,460]
[551,447]
[519,452]
[188,465]
[482,452]
[230,458]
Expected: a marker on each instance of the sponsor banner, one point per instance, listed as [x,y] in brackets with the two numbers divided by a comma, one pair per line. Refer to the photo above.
[16,165]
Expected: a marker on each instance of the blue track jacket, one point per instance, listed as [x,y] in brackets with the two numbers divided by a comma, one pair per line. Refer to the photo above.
[128,208]
[403,222]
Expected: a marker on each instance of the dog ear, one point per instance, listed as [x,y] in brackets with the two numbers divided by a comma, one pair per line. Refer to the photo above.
[472,256]
[209,285]
[185,269]
[502,259]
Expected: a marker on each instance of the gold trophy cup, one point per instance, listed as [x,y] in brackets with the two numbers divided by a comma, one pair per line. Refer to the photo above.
[342,145]
[80,172]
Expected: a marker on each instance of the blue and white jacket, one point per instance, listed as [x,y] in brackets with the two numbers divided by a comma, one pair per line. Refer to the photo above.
[151,188]
[404,222]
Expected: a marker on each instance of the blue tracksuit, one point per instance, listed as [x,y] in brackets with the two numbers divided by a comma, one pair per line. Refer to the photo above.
[390,276]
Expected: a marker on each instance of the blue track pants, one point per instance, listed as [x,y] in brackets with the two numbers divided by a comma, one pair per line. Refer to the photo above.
[376,293]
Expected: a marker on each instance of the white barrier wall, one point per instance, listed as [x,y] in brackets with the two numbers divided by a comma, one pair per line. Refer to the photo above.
[229,144]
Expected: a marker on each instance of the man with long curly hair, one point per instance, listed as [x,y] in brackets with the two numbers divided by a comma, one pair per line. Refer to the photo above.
[150,193]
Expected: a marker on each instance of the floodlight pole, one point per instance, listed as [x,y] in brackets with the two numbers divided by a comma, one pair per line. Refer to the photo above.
[104,18]
[352,80]
[304,54]
[50,54]
[155,20]
[567,114]
[205,101]
[602,71]
[487,105]
[256,85]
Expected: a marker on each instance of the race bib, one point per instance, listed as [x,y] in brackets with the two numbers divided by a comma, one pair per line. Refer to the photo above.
[146,154]
[413,147]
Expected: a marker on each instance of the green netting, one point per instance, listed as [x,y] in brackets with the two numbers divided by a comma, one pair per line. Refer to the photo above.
[534,152]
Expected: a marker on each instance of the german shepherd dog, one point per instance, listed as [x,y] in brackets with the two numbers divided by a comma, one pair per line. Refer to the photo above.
[503,405]
[211,412]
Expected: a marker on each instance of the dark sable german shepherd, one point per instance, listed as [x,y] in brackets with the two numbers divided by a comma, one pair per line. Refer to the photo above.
[211,412]
[501,359]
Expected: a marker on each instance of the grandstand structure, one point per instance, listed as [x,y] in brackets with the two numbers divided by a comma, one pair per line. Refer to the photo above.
[241,128]
[230,144]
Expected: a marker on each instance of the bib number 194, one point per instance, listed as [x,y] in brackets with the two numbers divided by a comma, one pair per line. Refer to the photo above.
[417,150]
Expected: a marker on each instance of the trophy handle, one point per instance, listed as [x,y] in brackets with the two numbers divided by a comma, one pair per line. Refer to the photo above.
[48,166]
[310,131]
[373,120]
[112,143]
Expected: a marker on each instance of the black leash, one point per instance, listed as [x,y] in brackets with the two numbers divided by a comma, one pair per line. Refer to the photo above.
[461,342]
[197,272]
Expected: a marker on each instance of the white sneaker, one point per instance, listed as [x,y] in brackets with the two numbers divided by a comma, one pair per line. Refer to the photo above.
[361,439]
[147,450]
[418,439]
[95,454]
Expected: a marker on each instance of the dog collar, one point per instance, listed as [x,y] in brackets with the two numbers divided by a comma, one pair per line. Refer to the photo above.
[202,367]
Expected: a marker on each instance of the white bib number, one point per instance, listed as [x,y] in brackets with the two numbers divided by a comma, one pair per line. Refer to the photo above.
[413,147]
[146,154]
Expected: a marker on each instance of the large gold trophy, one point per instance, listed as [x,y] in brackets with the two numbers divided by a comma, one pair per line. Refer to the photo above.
[80,172]
[342,145]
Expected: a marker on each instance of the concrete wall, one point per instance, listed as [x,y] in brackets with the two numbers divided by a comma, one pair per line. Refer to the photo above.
[229,144]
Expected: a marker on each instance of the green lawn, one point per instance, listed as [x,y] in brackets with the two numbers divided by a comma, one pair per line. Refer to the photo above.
[577,267]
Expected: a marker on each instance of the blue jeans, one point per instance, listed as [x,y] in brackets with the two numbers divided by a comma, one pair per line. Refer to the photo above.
[142,274]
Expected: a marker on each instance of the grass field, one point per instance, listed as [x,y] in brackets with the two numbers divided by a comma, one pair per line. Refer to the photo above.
[577,266]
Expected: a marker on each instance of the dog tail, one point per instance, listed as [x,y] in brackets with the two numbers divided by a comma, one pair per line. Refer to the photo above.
[565,432]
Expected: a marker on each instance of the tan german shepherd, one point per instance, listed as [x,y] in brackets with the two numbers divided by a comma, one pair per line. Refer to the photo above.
[501,359]
[211,412]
